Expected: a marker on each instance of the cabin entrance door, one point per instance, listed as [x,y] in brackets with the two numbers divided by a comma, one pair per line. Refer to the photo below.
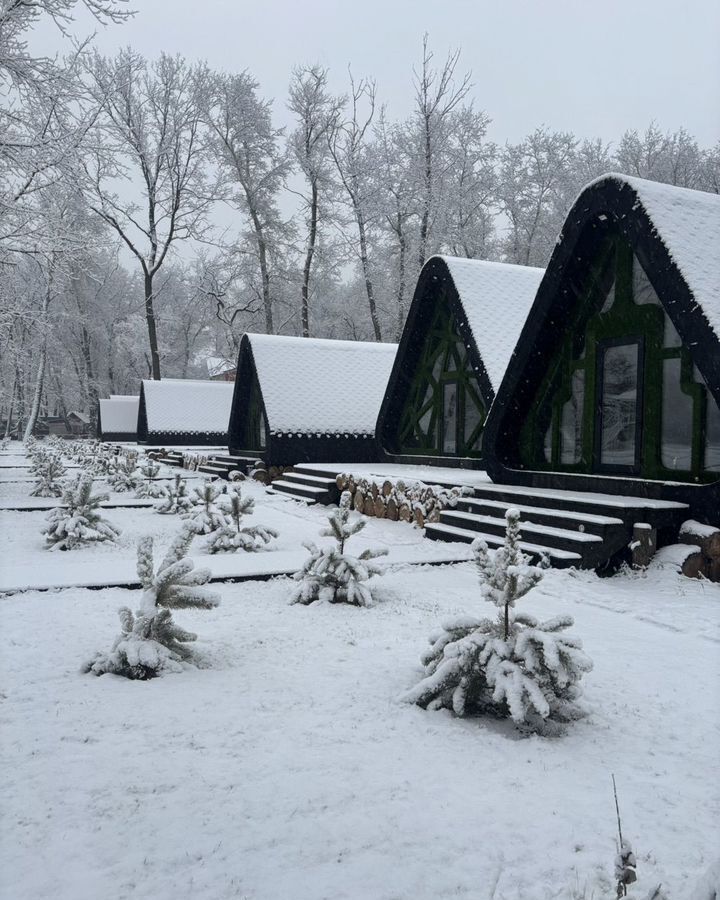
[619,397]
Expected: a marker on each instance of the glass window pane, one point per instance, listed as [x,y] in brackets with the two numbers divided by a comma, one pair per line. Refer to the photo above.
[609,298]
[261,430]
[571,422]
[619,405]
[449,419]
[671,337]
[643,291]
[712,436]
[473,418]
[677,419]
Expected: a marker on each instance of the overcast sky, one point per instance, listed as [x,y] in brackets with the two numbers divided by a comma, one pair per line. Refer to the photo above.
[594,68]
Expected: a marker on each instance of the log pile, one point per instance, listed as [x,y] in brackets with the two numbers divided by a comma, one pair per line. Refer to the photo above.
[400,501]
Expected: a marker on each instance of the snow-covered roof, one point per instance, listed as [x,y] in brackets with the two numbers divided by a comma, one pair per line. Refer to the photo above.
[119,414]
[179,405]
[317,386]
[688,224]
[496,298]
[80,415]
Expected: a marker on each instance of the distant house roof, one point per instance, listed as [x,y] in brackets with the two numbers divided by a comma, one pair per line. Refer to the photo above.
[81,416]
[119,415]
[184,406]
[317,386]
[687,223]
[217,366]
[496,298]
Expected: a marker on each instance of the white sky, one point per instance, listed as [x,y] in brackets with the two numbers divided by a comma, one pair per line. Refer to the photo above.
[594,68]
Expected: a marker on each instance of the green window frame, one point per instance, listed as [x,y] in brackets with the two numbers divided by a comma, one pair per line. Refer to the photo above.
[443,376]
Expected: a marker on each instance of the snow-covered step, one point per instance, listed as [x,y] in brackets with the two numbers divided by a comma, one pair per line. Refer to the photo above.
[559,558]
[300,491]
[312,480]
[626,507]
[540,515]
[545,535]
[215,471]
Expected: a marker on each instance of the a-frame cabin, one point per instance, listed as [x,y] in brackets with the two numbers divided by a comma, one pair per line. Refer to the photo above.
[462,326]
[117,418]
[615,384]
[605,432]
[300,400]
[176,411]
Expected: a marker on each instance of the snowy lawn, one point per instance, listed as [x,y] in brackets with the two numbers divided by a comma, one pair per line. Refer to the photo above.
[27,561]
[287,769]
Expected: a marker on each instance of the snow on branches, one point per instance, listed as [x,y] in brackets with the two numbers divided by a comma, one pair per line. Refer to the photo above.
[149,486]
[331,574]
[125,475]
[205,515]
[78,520]
[512,665]
[47,469]
[173,497]
[234,536]
[150,642]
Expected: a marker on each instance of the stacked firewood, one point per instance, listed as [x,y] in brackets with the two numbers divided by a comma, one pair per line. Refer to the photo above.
[400,501]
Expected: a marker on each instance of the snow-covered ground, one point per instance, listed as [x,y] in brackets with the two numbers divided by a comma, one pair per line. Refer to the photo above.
[286,768]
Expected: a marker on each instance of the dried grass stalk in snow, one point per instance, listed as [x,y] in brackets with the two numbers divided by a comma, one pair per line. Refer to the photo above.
[331,574]
[233,536]
[78,520]
[511,665]
[150,642]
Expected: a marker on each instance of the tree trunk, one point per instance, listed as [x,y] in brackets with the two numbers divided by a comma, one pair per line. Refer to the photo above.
[312,237]
[264,270]
[366,273]
[401,285]
[427,199]
[37,396]
[10,408]
[152,329]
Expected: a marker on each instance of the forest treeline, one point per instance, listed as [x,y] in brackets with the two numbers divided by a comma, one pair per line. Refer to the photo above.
[151,211]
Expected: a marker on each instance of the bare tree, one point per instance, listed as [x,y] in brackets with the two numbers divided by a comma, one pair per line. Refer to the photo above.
[396,199]
[315,110]
[348,147]
[247,150]
[534,175]
[149,141]
[436,96]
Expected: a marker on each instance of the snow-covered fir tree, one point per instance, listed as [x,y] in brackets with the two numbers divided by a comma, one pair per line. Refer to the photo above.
[331,574]
[99,460]
[78,520]
[205,515]
[48,470]
[511,665]
[125,475]
[149,485]
[173,497]
[235,536]
[150,642]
